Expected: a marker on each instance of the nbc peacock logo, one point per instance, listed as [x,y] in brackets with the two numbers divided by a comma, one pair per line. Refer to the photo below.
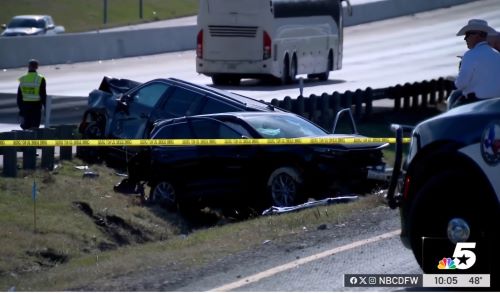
[447,264]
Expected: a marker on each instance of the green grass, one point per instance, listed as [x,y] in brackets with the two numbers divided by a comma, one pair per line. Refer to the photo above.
[78,15]
[70,250]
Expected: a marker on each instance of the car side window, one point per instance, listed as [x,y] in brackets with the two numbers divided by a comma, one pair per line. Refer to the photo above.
[150,94]
[175,131]
[183,102]
[212,106]
[211,129]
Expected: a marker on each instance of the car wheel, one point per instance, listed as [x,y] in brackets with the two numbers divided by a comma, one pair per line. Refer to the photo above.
[91,154]
[284,187]
[445,201]
[164,193]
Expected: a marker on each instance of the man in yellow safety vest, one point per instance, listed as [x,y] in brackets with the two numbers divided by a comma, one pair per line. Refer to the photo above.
[31,96]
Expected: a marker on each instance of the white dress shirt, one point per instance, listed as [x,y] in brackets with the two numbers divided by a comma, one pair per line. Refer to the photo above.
[480,72]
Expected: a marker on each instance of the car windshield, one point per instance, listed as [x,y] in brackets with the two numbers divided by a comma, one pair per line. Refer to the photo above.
[26,22]
[283,126]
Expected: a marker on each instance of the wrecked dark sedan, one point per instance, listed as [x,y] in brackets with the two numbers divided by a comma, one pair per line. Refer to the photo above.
[123,108]
[197,176]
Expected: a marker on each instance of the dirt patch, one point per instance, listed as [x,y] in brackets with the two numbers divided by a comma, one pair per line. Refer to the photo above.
[176,277]
[117,229]
[48,257]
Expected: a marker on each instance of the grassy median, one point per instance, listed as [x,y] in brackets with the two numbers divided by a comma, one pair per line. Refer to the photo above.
[84,231]
[78,16]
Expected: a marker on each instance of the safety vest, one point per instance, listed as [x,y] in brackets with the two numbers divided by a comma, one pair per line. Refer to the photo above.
[30,86]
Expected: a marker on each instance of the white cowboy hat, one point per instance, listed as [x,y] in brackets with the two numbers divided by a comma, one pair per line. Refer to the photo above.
[477,25]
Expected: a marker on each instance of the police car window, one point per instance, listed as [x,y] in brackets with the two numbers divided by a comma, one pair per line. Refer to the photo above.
[183,103]
[213,106]
[150,94]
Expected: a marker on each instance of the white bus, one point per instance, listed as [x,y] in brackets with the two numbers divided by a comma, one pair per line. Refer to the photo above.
[269,38]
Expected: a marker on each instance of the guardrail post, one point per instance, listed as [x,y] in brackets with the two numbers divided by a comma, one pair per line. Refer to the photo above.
[347,99]
[9,156]
[275,102]
[406,95]
[326,117]
[65,131]
[368,98]
[441,90]
[432,90]
[396,92]
[416,90]
[29,153]
[299,106]
[47,152]
[312,108]
[425,93]
[358,102]
[287,103]
[335,103]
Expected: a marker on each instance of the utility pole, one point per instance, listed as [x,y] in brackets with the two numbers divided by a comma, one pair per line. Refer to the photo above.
[105,11]
[140,9]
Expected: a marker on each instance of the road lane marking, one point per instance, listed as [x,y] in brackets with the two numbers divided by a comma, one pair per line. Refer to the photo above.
[288,266]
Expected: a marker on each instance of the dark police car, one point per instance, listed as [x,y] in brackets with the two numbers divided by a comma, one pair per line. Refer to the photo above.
[450,188]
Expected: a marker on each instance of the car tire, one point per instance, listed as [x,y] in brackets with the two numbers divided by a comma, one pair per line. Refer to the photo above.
[165,194]
[91,155]
[285,187]
[446,196]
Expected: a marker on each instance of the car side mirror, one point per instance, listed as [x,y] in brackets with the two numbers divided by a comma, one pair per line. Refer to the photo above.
[50,26]
[4,26]
[125,98]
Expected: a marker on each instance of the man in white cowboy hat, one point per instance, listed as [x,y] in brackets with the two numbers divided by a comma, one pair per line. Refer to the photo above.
[479,75]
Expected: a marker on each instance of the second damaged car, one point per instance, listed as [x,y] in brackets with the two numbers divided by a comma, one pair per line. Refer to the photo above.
[123,108]
[197,176]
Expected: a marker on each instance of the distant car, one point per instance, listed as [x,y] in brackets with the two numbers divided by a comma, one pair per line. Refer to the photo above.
[30,25]
[230,176]
[123,108]
[450,188]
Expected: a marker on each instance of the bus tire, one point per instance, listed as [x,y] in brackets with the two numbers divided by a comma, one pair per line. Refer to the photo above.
[285,73]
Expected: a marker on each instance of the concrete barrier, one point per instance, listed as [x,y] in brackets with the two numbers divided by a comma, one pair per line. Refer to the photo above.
[79,47]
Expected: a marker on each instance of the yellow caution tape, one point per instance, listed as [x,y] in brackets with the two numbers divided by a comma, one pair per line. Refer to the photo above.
[193,142]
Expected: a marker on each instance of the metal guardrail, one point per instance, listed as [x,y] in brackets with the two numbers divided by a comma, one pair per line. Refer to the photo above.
[29,154]
[323,109]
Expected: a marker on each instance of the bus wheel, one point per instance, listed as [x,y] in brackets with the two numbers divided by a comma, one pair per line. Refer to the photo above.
[285,73]
[293,70]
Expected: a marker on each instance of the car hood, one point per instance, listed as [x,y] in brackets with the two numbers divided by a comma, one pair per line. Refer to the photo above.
[22,31]
[464,124]
[109,91]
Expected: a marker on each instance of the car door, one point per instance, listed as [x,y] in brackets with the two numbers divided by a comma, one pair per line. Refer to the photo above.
[225,166]
[179,164]
[135,111]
